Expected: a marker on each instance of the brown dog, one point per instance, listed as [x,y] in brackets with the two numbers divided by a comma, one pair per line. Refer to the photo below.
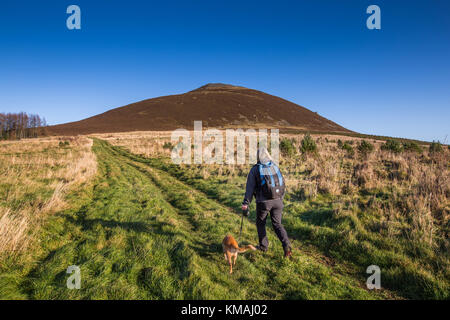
[231,250]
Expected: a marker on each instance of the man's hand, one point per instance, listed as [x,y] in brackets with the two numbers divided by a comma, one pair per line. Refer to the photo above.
[245,210]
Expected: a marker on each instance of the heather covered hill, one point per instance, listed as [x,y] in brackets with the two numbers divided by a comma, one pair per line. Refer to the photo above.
[217,105]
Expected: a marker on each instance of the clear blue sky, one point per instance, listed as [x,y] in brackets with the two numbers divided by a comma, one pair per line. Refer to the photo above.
[319,54]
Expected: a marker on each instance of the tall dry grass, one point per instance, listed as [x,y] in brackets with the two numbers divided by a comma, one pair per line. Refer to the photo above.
[416,186]
[35,176]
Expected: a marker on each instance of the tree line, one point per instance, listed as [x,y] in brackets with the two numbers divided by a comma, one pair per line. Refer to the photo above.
[21,125]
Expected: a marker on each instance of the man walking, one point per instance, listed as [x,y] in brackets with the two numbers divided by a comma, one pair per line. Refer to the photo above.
[266,183]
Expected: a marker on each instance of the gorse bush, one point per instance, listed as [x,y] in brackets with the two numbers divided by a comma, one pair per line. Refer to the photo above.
[308,144]
[365,147]
[392,146]
[435,147]
[63,144]
[412,147]
[347,147]
[396,146]
[287,147]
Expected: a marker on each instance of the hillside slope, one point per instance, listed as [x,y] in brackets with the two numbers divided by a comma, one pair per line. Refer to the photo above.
[141,233]
[217,105]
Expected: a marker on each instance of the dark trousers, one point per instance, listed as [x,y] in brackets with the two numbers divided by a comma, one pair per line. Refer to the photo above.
[275,208]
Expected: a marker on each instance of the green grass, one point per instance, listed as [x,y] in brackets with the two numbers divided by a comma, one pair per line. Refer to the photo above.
[140,232]
[410,269]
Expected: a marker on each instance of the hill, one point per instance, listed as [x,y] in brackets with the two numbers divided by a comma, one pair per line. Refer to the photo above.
[217,105]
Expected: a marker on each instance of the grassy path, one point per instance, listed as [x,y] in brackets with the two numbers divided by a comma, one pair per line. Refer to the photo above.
[341,242]
[141,233]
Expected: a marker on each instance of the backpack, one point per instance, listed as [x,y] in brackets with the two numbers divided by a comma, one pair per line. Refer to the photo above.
[272,184]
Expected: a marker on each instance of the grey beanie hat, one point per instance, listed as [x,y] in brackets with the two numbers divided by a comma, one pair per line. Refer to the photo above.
[263,155]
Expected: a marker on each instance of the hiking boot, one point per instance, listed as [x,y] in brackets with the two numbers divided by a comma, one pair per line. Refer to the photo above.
[288,253]
[258,247]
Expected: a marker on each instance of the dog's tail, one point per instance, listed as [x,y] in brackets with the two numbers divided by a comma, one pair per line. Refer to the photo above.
[245,248]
